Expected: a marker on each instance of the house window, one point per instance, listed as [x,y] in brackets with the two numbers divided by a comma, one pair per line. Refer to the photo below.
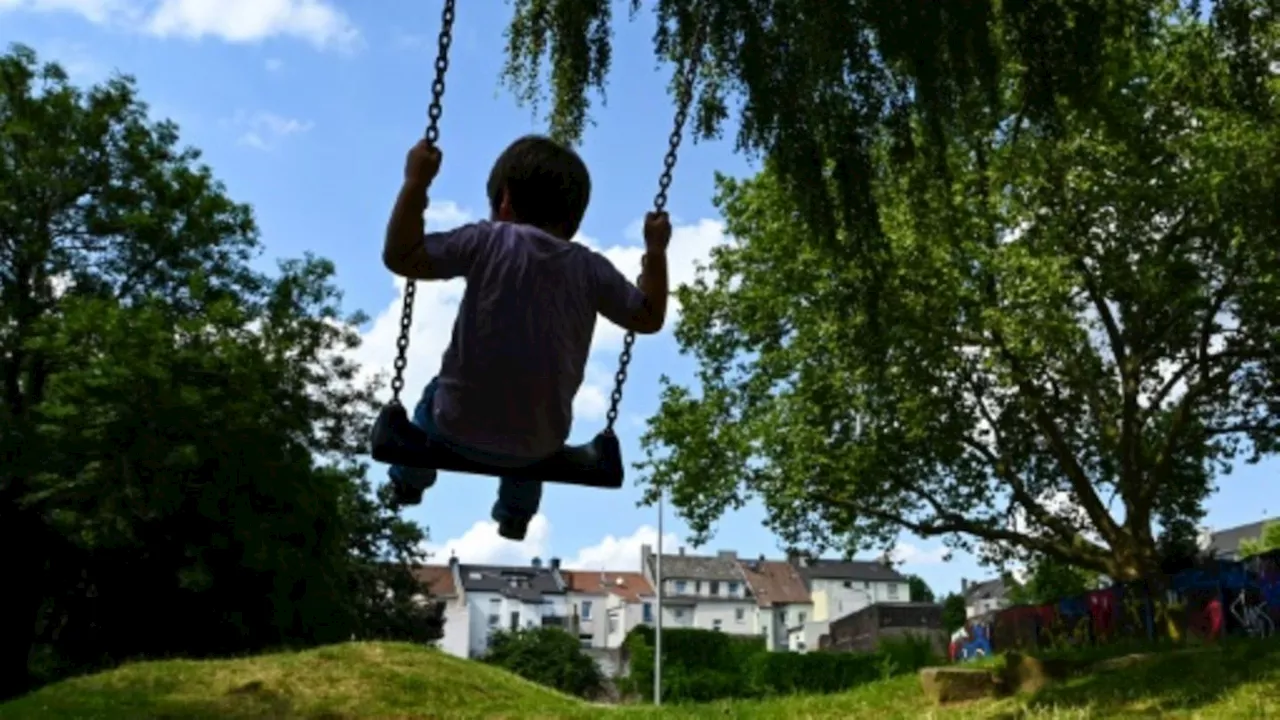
[714,587]
[613,624]
[586,609]
[584,641]
[733,589]
[715,624]
[493,620]
[648,612]
[679,614]
[800,621]
[515,620]
[848,583]
[681,587]
[739,614]
[893,591]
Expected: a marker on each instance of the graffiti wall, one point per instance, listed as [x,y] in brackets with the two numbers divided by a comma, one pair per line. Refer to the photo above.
[1204,604]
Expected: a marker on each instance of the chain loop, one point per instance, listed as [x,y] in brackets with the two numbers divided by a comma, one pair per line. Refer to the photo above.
[434,112]
[688,75]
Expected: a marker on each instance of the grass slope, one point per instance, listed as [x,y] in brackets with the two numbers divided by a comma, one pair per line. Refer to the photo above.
[374,680]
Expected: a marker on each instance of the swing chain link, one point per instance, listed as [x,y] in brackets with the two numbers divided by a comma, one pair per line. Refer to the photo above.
[688,76]
[434,112]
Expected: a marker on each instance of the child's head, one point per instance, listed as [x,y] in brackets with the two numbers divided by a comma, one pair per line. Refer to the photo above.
[540,182]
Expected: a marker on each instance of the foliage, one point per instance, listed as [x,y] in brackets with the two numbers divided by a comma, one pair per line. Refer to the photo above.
[953,612]
[1266,542]
[818,83]
[697,665]
[548,656]
[908,653]
[788,673]
[920,590]
[1076,321]
[704,665]
[1050,580]
[180,431]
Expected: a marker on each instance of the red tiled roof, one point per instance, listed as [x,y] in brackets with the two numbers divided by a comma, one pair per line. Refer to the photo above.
[774,582]
[437,578]
[630,586]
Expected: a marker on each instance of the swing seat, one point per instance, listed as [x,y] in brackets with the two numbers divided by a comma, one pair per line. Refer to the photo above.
[397,441]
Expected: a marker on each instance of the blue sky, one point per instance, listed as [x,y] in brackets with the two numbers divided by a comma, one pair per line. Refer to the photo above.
[305,108]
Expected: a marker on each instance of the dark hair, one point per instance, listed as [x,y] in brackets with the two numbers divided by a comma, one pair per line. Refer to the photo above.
[547,184]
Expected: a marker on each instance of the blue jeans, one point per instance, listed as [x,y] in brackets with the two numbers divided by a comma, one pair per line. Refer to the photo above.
[518,500]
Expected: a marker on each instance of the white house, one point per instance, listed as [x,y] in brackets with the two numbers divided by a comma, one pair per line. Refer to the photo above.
[440,584]
[609,604]
[782,601]
[840,587]
[981,598]
[708,592]
[509,598]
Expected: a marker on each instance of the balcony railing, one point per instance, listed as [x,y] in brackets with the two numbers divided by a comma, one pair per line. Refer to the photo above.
[567,622]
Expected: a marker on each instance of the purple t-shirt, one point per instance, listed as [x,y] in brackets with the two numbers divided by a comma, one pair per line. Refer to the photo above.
[523,332]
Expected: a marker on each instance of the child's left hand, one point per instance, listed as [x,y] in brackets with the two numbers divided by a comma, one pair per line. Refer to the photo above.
[422,164]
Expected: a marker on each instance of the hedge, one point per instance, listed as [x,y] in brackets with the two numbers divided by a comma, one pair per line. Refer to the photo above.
[704,665]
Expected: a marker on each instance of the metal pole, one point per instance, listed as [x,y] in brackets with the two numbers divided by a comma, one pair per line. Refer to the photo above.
[657,635]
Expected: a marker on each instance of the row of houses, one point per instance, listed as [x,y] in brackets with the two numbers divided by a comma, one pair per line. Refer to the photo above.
[791,602]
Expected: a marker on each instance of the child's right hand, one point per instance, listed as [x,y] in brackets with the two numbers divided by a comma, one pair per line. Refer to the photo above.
[657,232]
[422,164]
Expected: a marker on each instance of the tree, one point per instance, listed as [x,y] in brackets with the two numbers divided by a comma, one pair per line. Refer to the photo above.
[1051,580]
[548,656]
[180,431]
[1078,320]
[1268,541]
[818,81]
[953,612]
[920,591]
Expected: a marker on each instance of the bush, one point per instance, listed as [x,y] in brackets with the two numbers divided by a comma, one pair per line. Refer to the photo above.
[548,656]
[785,673]
[697,665]
[908,653]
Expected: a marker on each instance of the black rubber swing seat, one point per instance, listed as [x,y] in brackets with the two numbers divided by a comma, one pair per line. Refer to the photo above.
[397,441]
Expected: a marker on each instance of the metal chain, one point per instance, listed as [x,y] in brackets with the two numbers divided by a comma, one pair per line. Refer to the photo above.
[688,75]
[434,111]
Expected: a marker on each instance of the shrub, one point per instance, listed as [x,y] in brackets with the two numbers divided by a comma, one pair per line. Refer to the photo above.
[697,665]
[548,656]
[909,652]
[786,673]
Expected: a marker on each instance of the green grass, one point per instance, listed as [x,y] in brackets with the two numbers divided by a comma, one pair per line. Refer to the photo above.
[378,680]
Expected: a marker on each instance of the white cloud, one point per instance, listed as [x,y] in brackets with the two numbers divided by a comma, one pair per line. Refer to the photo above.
[690,248]
[240,21]
[95,11]
[914,555]
[481,545]
[264,130]
[317,22]
[436,305]
[620,554]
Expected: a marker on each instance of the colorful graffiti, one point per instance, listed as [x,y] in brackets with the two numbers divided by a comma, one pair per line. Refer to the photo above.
[1204,604]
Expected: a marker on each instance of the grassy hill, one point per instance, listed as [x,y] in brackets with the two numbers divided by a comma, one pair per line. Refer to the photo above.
[387,680]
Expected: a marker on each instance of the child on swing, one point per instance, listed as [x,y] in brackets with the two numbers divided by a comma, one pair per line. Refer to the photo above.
[504,394]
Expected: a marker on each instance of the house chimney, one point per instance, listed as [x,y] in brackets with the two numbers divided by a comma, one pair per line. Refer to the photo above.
[762,557]
[964,585]
[555,563]
[536,563]
[681,551]
[728,555]
[453,559]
